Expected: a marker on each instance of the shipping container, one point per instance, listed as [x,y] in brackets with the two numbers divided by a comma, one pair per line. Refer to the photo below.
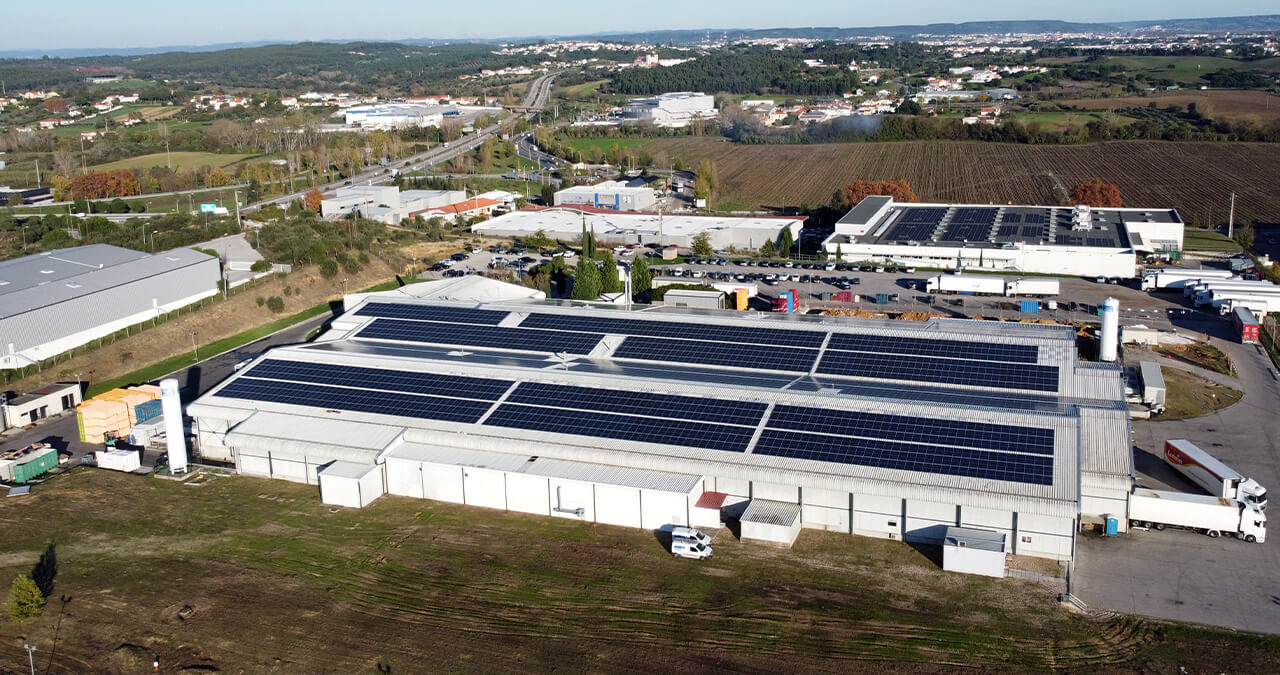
[20,466]
[147,411]
[882,298]
[844,296]
[1030,307]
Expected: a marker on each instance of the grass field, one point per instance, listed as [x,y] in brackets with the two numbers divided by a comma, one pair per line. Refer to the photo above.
[1181,69]
[1229,104]
[603,144]
[1195,239]
[1195,178]
[251,575]
[180,160]
[1192,396]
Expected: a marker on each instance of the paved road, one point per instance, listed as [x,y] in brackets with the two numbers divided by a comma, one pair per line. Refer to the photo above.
[63,432]
[1186,576]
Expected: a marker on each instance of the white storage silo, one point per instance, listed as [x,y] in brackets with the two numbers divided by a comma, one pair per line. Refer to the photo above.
[171,404]
[1109,334]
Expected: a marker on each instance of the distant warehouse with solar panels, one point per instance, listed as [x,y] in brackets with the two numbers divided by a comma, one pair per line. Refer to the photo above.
[1071,240]
[667,416]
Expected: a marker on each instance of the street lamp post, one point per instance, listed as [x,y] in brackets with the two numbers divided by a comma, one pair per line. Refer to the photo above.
[153,239]
[195,349]
[31,660]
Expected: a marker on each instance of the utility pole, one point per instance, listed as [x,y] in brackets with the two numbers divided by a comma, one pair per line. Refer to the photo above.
[1231,218]
[30,659]
[37,173]
[239,224]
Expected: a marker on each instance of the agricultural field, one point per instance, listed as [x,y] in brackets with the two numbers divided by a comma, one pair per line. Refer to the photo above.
[1228,104]
[250,575]
[1181,69]
[1195,178]
[603,144]
[180,160]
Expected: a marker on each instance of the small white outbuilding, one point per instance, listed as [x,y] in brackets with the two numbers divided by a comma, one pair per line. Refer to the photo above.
[350,484]
[973,551]
[776,522]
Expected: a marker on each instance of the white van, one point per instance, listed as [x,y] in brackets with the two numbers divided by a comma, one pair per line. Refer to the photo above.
[688,548]
[691,533]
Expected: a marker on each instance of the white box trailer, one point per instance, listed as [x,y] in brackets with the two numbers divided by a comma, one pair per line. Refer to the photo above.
[1212,284]
[1168,279]
[1153,387]
[1212,474]
[1032,287]
[1209,293]
[967,285]
[1212,516]
[1258,304]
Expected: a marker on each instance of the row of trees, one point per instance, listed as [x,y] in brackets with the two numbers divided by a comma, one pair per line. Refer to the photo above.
[100,184]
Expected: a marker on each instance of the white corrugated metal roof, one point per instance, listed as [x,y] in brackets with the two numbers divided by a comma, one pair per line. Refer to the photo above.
[767,512]
[1106,443]
[479,459]
[968,537]
[349,470]
[318,430]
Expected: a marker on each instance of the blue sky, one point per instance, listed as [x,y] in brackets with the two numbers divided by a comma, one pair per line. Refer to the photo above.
[143,23]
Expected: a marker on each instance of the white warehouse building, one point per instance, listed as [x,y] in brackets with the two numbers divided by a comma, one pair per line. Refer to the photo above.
[611,194]
[394,116]
[613,227]
[675,109]
[58,300]
[1074,240]
[896,430]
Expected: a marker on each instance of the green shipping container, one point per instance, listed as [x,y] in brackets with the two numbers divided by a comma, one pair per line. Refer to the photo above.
[25,472]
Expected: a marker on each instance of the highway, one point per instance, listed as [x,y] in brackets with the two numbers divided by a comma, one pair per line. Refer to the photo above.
[536,99]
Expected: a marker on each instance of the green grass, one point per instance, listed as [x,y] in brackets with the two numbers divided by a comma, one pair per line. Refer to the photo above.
[1195,239]
[1192,396]
[180,161]
[1185,69]
[603,144]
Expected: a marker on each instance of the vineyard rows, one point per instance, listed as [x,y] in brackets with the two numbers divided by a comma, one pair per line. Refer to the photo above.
[1194,178]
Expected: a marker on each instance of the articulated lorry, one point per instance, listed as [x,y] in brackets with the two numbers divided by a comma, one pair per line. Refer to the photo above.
[1168,279]
[984,285]
[1259,305]
[1204,285]
[1212,516]
[1210,473]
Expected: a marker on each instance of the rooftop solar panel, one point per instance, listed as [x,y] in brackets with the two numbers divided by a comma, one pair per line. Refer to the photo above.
[1100,242]
[927,215]
[966,231]
[637,403]
[761,357]
[1034,231]
[524,339]
[623,427]
[1031,469]
[1034,218]
[377,378]
[356,400]
[675,329]
[974,216]
[393,310]
[943,371]
[1029,440]
[1007,231]
[1011,218]
[960,349]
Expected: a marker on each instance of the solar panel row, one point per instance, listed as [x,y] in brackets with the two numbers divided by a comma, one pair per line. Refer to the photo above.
[943,371]
[1035,470]
[377,378]
[674,329]
[960,349]
[1036,231]
[393,310]
[789,359]
[524,339]
[1007,231]
[1030,440]
[355,400]
[623,427]
[966,231]
[639,403]
[1011,218]
[976,216]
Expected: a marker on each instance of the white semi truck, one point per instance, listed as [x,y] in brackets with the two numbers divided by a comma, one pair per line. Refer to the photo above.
[968,285]
[1211,293]
[1033,287]
[1201,286]
[1210,473]
[1213,516]
[1258,304]
[1170,279]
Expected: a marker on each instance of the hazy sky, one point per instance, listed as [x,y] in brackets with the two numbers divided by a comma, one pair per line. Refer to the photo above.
[144,23]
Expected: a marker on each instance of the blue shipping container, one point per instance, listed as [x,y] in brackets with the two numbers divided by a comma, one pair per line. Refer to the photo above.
[1031,306]
[882,298]
[148,410]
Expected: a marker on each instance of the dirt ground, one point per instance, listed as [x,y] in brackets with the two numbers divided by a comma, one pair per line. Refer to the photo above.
[251,575]
[210,322]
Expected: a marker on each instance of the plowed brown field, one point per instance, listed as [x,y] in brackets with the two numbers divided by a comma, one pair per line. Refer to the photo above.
[1195,178]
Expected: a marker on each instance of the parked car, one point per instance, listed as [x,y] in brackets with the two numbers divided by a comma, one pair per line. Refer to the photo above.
[687,548]
[691,533]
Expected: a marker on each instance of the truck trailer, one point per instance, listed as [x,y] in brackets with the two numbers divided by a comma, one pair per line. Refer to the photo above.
[1212,516]
[1245,323]
[968,285]
[1153,387]
[1171,279]
[1032,287]
[1210,473]
[1191,290]
[1208,293]
[1258,304]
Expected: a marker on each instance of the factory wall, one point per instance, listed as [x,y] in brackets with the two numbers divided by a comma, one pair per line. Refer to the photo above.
[1067,260]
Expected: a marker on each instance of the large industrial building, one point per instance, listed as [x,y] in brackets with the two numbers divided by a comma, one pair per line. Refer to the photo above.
[611,194]
[676,109]
[668,416]
[395,116]
[613,227]
[1075,240]
[385,203]
[58,300]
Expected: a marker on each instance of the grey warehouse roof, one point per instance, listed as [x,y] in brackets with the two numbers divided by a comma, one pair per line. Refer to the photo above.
[511,379]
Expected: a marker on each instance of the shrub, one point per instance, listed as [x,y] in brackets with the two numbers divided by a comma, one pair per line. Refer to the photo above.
[261,301]
[25,599]
[260,266]
[329,268]
[275,303]
[288,291]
